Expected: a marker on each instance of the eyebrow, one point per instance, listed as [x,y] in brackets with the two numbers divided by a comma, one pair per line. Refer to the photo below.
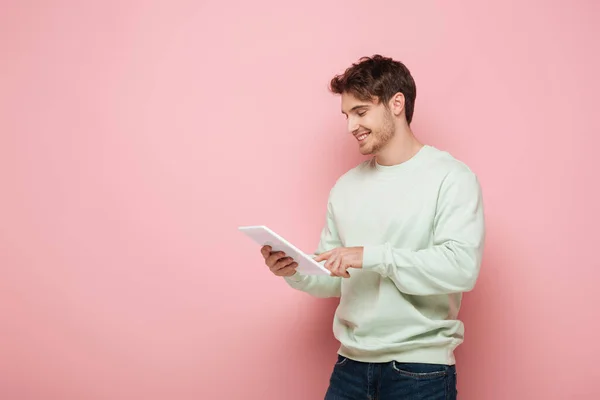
[357,107]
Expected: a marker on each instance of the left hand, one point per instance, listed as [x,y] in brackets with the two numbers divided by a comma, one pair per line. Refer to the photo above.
[342,258]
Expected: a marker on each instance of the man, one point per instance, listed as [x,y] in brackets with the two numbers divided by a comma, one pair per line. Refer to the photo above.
[403,240]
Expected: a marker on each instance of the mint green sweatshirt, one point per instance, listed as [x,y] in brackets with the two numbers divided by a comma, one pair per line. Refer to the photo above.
[421,224]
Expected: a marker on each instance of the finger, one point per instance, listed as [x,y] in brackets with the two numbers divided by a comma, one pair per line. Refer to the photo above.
[337,266]
[323,256]
[274,257]
[287,271]
[284,262]
[344,271]
[330,262]
[342,268]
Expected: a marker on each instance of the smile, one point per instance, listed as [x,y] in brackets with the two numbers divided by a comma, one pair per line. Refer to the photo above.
[362,136]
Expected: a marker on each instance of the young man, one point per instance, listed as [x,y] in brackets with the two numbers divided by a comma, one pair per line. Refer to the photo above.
[403,240]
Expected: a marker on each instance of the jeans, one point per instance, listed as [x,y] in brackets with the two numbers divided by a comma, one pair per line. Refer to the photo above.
[353,380]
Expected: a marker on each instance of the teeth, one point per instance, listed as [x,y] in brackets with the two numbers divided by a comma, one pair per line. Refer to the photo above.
[364,135]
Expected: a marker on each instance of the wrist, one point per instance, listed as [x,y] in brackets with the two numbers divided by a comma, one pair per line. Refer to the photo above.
[296,277]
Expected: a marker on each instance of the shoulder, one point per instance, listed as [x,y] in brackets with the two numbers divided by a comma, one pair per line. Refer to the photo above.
[353,174]
[454,177]
[449,167]
[349,179]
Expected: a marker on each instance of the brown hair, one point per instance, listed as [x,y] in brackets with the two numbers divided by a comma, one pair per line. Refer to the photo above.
[379,77]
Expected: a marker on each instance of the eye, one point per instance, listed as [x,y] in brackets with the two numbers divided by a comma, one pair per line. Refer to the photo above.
[361,113]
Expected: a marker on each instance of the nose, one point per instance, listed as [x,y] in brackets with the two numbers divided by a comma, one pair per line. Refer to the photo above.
[352,125]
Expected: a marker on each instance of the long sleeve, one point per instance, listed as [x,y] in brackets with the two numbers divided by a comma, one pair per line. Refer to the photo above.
[319,285]
[452,263]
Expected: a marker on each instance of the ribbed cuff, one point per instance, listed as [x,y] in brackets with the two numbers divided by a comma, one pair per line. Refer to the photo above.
[297,277]
[373,258]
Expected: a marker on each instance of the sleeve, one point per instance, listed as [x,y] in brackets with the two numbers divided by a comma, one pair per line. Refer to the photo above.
[319,285]
[452,263]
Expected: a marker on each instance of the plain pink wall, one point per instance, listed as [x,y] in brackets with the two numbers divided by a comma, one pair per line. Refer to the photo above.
[136,137]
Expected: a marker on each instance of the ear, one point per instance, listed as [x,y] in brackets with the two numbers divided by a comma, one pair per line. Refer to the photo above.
[397,104]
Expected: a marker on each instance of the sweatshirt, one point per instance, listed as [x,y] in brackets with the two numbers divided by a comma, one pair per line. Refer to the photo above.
[421,226]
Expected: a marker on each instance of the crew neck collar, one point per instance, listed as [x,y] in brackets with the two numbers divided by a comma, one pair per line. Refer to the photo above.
[411,162]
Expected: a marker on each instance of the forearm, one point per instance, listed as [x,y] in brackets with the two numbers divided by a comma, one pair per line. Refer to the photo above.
[316,285]
[321,285]
[450,267]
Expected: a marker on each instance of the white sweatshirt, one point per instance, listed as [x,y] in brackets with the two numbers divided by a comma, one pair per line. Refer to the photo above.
[421,224]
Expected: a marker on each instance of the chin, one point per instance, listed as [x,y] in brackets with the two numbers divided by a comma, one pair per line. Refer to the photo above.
[366,149]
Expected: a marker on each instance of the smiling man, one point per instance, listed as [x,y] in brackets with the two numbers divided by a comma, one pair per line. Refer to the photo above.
[403,240]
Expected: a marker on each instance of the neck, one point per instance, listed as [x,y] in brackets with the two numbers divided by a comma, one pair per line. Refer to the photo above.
[401,147]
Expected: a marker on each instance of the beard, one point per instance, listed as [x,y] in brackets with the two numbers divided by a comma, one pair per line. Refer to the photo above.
[380,137]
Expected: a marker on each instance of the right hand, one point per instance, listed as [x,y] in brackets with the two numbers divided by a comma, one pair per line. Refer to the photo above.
[278,263]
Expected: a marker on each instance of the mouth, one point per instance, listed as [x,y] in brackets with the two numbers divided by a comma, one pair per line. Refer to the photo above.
[362,136]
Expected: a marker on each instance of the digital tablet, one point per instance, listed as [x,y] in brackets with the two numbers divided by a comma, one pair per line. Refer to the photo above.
[265,236]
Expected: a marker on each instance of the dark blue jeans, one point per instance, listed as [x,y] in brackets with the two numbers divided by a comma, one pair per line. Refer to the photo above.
[353,380]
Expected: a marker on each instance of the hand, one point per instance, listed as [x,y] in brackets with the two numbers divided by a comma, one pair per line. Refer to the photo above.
[342,258]
[278,263]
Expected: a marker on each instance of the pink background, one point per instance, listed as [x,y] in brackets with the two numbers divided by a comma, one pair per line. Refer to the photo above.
[136,137]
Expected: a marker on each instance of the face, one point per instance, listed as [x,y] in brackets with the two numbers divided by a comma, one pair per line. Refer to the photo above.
[372,124]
